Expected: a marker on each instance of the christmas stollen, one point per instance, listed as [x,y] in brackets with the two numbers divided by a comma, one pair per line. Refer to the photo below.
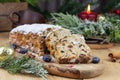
[31,37]
[64,47]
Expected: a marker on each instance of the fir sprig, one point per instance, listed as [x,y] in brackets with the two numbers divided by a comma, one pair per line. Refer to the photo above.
[104,28]
[24,64]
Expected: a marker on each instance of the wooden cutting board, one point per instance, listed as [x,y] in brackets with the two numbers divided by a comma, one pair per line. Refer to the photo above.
[73,71]
[78,71]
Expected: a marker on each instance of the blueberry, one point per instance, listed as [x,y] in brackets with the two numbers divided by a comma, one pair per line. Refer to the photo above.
[47,58]
[13,46]
[95,60]
[23,50]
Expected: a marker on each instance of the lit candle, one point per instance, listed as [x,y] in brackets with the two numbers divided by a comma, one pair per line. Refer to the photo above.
[92,16]
[88,9]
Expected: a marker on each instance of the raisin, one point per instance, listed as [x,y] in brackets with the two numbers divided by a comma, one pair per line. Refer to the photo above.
[80,45]
[49,29]
[64,40]
[63,44]
[70,46]
[62,51]
[54,35]
[52,47]
[84,50]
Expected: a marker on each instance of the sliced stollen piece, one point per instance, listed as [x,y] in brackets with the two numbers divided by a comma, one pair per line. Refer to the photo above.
[72,49]
[54,37]
[82,40]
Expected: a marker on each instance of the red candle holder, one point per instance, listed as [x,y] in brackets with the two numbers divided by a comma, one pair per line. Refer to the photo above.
[116,12]
[92,16]
[84,15]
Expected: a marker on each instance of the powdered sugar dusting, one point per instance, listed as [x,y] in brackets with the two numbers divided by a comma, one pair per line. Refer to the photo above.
[33,28]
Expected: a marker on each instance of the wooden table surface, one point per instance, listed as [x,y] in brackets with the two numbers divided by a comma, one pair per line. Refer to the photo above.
[111,72]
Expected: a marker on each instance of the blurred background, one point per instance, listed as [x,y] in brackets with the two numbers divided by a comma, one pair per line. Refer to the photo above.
[46,7]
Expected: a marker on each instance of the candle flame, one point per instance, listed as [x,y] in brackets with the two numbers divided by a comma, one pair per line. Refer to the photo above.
[88,9]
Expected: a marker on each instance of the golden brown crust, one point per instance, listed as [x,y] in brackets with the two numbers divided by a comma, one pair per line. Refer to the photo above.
[32,42]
